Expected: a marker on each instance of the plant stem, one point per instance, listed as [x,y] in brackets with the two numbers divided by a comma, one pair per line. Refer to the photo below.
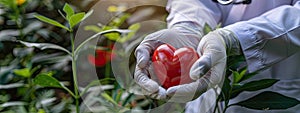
[19,24]
[107,66]
[75,84]
[18,20]
[216,106]
[72,42]
[227,100]
[74,71]
[224,110]
[227,107]
[30,89]
[69,91]
[107,70]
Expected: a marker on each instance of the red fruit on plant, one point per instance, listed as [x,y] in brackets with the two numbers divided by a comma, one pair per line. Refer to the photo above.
[172,66]
[102,57]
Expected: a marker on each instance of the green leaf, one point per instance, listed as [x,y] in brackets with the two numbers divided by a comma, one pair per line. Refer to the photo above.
[117,22]
[237,77]
[206,29]
[23,72]
[50,21]
[68,10]
[93,28]
[119,93]
[43,46]
[45,80]
[42,111]
[242,75]
[234,61]
[134,28]
[225,93]
[219,26]
[111,36]
[108,98]
[258,85]
[75,19]
[248,75]
[253,86]
[8,3]
[243,72]
[5,3]
[269,101]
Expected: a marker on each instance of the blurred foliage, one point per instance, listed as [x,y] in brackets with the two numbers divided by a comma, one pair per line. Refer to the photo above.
[19,65]
[38,80]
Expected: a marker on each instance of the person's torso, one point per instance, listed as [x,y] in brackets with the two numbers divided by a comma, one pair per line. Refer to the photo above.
[240,12]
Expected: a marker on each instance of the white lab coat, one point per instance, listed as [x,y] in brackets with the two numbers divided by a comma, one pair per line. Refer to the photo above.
[269,33]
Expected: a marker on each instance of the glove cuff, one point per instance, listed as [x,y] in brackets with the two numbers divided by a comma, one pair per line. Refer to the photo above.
[233,46]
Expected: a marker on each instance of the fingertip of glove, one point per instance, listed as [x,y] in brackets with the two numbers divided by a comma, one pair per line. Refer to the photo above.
[171,91]
[195,71]
[194,75]
[151,86]
[162,92]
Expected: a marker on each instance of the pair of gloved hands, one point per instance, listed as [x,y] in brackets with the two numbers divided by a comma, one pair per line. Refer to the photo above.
[208,71]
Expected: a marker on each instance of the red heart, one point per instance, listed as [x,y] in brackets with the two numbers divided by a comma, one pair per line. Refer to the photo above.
[172,66]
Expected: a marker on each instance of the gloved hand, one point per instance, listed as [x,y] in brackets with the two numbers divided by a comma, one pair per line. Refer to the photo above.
[209,69]
[144,51]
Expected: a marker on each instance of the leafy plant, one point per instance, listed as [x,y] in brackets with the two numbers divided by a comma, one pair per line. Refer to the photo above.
[234,84]
[73,19]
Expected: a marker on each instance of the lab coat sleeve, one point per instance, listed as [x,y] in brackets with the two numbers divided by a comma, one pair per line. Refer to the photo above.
[197,12]
[295,1]
[269,38]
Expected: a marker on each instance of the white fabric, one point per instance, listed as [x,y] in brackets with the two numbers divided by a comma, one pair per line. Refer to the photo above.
[276,29]
[236,13]
[286,17]
[194,11]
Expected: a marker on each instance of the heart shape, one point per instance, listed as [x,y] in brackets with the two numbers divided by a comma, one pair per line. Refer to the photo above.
[172,66]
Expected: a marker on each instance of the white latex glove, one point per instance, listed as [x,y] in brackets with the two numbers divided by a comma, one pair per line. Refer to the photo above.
[209,69]
[175,37]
